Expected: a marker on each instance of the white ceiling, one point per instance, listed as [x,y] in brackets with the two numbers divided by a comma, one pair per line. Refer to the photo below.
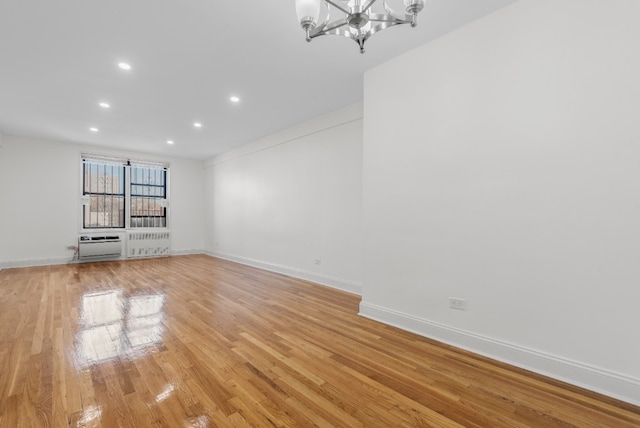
[58,60]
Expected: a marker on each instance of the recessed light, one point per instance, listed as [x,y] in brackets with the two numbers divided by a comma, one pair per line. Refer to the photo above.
[124,66]
[197,124]
[104,105]
[234,99]
[169,141]
[93,129]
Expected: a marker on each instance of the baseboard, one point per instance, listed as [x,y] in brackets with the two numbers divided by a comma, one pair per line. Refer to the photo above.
[35,262]
[340,284]
[66,260]
[616,385]
[187,252]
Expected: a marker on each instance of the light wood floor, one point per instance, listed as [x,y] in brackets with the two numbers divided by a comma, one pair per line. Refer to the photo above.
[195,341]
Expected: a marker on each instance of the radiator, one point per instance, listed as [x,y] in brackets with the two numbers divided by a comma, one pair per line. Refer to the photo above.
[148,244]
[99,246]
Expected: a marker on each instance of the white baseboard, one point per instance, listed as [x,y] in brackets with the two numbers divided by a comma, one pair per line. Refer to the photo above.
[187,252]
[66,260]
[329,281]
[616,385]
[35,262]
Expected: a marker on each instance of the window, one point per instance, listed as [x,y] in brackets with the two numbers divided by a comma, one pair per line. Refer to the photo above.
[120,193]
[104,194]
[148,196]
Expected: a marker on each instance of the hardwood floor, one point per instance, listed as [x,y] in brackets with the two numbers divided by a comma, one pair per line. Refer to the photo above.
[195,341]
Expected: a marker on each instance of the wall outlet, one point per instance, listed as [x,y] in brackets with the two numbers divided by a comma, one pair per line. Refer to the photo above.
[455,303]
[317,261]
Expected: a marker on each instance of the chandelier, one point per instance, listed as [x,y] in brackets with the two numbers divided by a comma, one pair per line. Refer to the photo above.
[355,19]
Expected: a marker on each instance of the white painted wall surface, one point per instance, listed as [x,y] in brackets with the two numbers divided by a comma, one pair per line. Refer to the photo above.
[187,206]
[39,199]
[501,166]
[281,202]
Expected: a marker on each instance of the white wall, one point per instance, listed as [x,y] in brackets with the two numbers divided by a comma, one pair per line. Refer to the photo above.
[281,202]
[188,200]
[501,167]
[39,194]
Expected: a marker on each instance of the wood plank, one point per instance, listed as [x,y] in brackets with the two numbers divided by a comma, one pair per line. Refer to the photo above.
[199,341]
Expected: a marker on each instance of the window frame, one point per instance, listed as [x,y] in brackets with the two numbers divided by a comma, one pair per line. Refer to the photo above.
[165,174]
[127,164]
[88,163]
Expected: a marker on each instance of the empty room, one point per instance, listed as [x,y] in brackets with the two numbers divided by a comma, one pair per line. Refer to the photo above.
[332,213]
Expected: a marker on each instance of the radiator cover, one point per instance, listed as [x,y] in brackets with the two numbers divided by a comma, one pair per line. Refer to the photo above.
[148,243]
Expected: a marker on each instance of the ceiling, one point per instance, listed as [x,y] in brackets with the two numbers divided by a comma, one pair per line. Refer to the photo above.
[58,61]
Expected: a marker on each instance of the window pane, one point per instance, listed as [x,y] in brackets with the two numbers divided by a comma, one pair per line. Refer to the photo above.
[149,176]
[104,183]
[148,190]
[139,190]
[143,206]
[104,211]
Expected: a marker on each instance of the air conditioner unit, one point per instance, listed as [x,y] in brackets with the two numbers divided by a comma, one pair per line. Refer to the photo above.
[99,246]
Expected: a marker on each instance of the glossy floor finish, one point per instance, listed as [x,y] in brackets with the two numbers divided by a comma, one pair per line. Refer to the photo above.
[195,341]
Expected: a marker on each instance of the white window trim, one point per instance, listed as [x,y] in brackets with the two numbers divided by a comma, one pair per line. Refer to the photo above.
[128,162]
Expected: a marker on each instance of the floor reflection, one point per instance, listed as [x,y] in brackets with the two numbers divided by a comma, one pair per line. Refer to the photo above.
[113,325]
[91,413]
[166,392]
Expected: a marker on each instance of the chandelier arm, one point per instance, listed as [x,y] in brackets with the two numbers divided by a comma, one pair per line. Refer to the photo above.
[337,5]
[381,26]
[329,28]
[367,5]
[340,32]
[359,39]
[401,19]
